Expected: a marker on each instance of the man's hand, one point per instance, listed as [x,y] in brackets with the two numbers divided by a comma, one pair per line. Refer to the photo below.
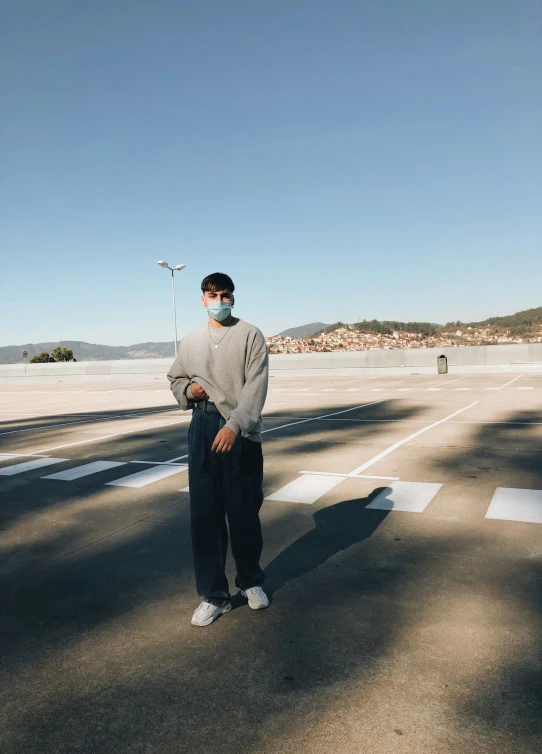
[198,392]
[224,441]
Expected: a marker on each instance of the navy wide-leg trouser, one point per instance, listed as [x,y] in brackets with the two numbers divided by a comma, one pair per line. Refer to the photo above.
[224,485]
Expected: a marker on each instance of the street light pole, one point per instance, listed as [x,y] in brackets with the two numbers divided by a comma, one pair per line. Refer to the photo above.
[174,312]
[179,267]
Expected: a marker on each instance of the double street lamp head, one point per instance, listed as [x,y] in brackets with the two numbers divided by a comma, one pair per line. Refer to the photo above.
[166,266]
[177,268]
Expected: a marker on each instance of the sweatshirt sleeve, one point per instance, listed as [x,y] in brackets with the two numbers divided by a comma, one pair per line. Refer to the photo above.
[254,392]
[180,383]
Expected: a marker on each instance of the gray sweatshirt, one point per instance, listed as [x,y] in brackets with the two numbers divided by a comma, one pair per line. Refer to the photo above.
[234,375]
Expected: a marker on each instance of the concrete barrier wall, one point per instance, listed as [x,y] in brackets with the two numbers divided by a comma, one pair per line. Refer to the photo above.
[521,353]
[125,367]
[517,357]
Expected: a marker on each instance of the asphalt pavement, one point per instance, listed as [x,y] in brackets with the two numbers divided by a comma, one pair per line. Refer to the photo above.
[403,548]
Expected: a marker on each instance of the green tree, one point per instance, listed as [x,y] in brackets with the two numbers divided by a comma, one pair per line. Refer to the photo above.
[42,358]
[62,354]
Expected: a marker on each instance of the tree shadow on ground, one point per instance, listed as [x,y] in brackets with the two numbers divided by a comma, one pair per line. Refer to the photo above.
[29,493]
[43,423]
[507,696]
[102,657]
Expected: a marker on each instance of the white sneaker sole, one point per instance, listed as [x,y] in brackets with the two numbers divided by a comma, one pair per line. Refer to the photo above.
[212,618]
[254,605]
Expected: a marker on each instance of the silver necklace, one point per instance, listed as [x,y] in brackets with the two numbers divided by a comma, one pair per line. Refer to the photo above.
[217,343]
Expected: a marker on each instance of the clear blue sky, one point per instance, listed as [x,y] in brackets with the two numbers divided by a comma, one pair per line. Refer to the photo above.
[339,159]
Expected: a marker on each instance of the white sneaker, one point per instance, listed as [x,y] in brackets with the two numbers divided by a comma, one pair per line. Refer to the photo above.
[207,613]
[257,598]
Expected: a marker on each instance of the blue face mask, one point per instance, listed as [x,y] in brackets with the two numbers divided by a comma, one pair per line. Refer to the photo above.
[219,310]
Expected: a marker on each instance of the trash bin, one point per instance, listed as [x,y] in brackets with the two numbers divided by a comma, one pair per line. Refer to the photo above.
[442,364]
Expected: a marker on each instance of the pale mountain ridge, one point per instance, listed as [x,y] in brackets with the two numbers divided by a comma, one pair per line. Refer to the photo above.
[304,331]
[83,351]
[518,323]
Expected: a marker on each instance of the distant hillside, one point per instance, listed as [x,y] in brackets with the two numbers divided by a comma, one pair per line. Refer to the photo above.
[386,327]
[520,323]
[305,331]
[89,351]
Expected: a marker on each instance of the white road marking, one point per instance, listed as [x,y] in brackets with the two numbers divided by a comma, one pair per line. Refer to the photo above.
[511,381]
[512,504]
[505,384]
[88,421]
[525,388]
[306,489]
[396,445]
[9,456]
[316,418]
[115,434]
[148,476]
[312,489]
[178,458]
[404,389]
[438,385]
[18,468]
[405,496]
[185,489]
[21,455]
[158,463]
[345,476]
[417,421]
[309,491]
[433,389]
[85,470]
[461,388]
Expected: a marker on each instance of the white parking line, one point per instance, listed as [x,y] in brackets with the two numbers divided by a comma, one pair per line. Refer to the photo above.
[396,445]
[85,470]
[346,476]
[19,468]
[413,497]
[516,505]
[178,458]
[316,418]
[311,486]
[90,421]
[438,385]
[305,489]
[114,434]
[9,456]
[511,381]
[505,384]
[148,476]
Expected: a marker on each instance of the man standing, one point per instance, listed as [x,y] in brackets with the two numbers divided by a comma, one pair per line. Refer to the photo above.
[222,372]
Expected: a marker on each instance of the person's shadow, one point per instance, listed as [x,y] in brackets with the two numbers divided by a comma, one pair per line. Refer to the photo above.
[336,528]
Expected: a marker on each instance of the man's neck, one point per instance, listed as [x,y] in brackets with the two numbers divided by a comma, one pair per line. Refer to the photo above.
[225,322]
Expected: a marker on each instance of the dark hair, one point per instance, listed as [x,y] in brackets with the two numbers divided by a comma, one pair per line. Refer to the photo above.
[218,281]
